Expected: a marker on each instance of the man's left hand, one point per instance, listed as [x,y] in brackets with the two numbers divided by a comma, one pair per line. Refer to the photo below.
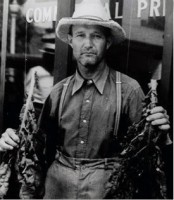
[158,117]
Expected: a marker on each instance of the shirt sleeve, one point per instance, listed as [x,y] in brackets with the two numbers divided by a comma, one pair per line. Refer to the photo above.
[48,126]
[135,105]
[47,129]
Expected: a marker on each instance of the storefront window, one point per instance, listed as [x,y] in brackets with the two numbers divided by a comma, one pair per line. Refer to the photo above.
[143,20]
[31,44]
[30,35]
[140,56]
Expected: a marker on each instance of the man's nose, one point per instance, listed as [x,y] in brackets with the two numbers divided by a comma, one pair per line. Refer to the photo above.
[88,42]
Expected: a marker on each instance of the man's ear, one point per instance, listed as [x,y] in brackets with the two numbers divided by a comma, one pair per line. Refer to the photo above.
[109,42]
[70,40]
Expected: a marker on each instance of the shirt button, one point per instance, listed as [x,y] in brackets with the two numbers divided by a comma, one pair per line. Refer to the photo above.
[84,121]
[83,167]
[82,142]
[89,82]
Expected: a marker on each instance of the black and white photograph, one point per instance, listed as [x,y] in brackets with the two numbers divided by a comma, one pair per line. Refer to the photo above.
[86,99]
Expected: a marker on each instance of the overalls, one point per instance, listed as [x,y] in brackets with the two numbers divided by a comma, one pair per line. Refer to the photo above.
[78,178]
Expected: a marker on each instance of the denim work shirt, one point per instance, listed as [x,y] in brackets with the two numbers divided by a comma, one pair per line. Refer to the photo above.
[88,115]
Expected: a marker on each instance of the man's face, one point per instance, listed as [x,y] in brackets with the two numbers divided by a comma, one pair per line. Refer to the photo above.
[89,44]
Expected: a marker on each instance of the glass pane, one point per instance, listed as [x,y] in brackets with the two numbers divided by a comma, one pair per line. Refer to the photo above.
[30,45]
[140,56]
[143,20]
[1,13]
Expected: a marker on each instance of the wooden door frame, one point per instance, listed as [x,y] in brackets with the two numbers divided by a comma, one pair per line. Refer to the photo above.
[167,61]
[3,59]
[63,56]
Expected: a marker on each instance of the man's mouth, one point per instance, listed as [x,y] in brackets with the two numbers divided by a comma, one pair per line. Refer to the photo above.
[88,53]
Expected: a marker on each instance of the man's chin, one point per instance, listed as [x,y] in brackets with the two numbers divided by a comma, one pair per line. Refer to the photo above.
[89,63]
[89,66]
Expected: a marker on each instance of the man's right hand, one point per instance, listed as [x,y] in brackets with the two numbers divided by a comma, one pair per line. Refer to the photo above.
[9,140]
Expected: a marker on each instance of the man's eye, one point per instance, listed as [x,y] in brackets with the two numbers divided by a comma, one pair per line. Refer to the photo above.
[97,36]
[80,35]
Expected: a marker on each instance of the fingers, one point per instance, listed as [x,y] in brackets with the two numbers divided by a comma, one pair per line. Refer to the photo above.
[158,109]
[4,146]
[12,134]
[165,127]
[8,140]
[159,117]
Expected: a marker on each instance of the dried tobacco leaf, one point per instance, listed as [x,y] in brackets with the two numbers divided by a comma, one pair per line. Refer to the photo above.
[27,163]
[141,165]
[5,173]
[24,159]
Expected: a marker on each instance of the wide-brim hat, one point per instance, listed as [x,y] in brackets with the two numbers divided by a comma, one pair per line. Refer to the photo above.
[90,12]
[48,43]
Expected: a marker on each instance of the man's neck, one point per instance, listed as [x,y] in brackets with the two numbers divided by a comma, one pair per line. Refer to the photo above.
[92,71]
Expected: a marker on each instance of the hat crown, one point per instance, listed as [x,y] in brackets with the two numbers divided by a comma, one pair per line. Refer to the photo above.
[90,12]
[92,9]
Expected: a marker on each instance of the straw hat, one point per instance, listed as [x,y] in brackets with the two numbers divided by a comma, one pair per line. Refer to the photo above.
[90,12]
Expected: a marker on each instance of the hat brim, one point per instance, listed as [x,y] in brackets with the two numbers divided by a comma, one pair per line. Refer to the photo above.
[117,32]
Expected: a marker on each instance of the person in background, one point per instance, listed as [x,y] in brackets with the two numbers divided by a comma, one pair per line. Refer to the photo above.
[78,120]
[44,73]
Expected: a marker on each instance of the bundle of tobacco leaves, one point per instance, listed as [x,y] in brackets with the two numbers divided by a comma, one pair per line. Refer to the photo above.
[5,173]
[141,172]
[23,159]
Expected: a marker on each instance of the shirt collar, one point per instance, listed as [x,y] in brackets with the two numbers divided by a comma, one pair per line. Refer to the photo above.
[99,81]
[78,82]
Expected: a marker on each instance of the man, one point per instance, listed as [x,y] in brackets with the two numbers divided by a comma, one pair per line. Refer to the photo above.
[79,116]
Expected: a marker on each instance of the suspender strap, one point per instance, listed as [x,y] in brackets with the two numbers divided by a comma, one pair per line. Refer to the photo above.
[118,102]
[65,86]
